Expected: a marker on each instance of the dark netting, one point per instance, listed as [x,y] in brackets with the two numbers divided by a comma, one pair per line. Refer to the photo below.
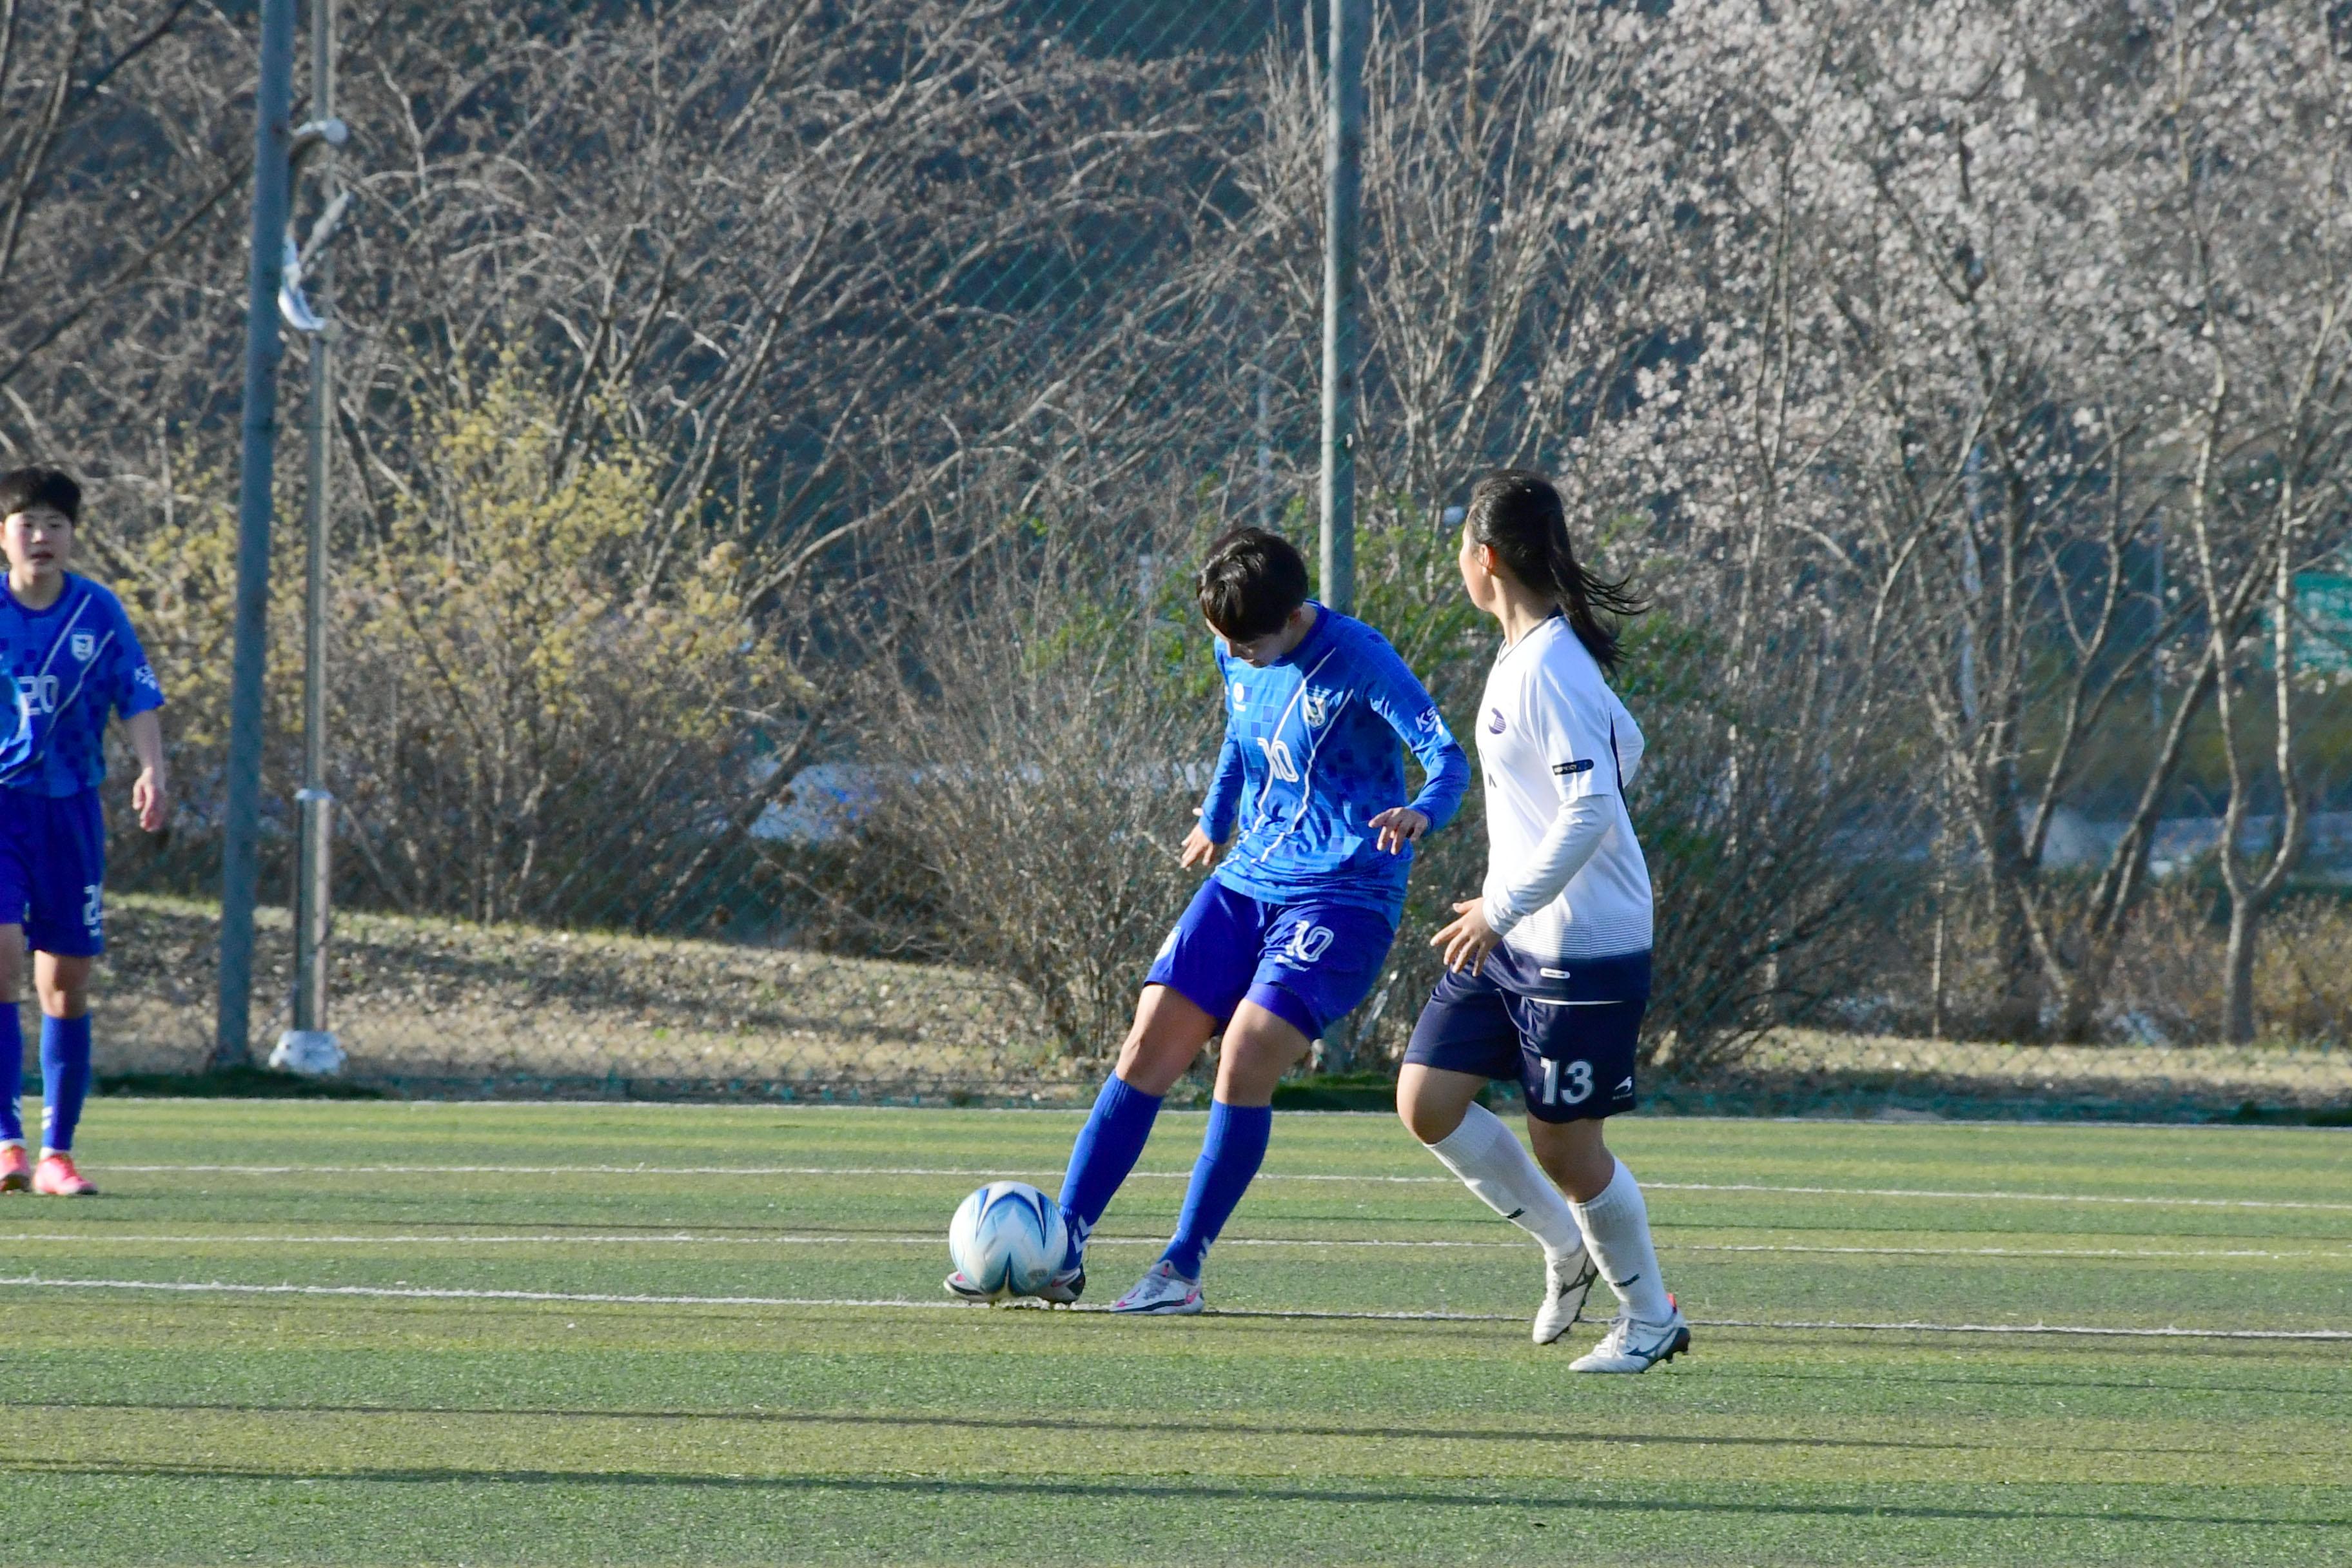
[773,443]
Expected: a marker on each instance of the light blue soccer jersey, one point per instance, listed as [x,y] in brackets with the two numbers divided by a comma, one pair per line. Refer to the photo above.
[70,666]
[1311,756]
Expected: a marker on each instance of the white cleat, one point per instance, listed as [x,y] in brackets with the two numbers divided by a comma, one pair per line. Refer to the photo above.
[1628,1346]
[1163,1293]
[1567,1282]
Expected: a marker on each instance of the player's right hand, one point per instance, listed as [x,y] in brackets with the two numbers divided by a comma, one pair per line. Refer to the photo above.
[1200,849]
[1468,939]
[152,800]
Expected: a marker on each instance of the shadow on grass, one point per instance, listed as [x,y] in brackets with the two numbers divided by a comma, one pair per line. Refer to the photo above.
[1063,1422]
[1064,1489]
[1875,1093]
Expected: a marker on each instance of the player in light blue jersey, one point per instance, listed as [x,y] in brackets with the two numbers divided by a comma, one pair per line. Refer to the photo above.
[71,660]
[1310,834]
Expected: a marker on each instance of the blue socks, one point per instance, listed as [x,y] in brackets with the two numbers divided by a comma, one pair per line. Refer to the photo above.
[1230,1156]
[12,1075]
[1113,1141]
[1106,1150]
[65,1077]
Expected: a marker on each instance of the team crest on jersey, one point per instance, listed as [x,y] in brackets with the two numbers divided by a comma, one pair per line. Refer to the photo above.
[1315,706]
[83,644]
[1494,721]
[1240,695]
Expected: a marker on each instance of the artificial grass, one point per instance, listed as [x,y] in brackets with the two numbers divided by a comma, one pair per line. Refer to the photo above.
[202,1427]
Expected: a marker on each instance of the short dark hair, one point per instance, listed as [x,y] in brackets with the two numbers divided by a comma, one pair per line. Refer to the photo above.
[1251,582]
[22,489]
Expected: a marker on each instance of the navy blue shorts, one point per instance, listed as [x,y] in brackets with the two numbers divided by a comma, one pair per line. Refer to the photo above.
[1308,962]
[52,863]
[1567,1034]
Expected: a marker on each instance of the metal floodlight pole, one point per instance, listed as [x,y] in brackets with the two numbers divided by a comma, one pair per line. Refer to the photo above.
[241,822]
[1343,157]
[309,1045]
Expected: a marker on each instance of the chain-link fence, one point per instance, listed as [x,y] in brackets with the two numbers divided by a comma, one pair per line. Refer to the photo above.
[774,442]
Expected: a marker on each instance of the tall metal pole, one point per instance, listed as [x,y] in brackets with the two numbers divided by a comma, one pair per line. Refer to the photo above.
[1343,157]
[240,826]
[311,894]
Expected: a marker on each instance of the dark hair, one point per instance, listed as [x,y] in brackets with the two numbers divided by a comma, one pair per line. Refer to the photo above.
[1251,582]
[22,489]
[1519,515]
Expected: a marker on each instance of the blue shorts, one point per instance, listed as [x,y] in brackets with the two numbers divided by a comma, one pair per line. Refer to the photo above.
[1308,962]
[1567,1034]
[52,863]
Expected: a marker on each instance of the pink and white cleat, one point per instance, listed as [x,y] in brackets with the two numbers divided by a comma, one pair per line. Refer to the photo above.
[15,1171]
[1161,1293]
[56,1177]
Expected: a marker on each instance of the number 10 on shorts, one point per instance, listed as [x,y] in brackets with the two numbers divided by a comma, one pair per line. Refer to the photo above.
[1576,1090]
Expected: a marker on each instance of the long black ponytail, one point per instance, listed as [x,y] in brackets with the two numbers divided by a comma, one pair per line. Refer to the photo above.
[1518,514]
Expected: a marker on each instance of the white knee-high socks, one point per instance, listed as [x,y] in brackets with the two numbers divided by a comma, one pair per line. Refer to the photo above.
[1616,1225]
[1493,1163]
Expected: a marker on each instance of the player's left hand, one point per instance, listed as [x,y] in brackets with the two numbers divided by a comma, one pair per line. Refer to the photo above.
[1469,940]
[152,800]
[1400,825]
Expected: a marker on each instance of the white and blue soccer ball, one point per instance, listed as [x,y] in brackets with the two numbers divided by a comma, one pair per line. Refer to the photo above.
[1008,1238]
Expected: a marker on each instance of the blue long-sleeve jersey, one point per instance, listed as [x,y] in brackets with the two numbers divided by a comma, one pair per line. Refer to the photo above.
[1311,756]
[67,668]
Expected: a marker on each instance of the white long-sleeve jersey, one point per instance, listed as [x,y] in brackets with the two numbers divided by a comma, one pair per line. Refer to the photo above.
[1565,877]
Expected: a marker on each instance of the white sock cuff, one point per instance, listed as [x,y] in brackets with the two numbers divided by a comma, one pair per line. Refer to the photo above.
[1620,1191]
[1491,1162]
[1476,1133]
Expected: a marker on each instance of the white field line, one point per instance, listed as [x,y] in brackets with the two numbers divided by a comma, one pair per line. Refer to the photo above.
[583,1298]
[1996,1196]
[853,1239]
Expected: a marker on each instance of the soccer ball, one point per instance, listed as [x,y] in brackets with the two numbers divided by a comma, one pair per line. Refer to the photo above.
[1008,1238]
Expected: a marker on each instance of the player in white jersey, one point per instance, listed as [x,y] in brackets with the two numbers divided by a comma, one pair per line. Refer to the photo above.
[1548,970]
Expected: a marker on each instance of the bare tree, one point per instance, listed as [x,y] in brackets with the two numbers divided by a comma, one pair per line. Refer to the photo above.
[1939,216]
[1042,769]
[1530,295]
[2266,316]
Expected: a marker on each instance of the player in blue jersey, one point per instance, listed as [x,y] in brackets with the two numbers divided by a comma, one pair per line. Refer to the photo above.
[1310,837]
[71,659]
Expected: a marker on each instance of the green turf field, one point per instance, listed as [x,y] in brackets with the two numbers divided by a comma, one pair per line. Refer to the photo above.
[402,1410]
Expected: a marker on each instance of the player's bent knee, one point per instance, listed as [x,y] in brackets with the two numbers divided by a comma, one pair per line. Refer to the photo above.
[1259,1047]
[1575,1154]
[1431,1106]
[1425,1123]
[1167,1037]
[63,982]
[1430,1123]
[59,1002]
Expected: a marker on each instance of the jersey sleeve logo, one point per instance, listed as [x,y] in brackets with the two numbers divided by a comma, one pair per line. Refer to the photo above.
[1581,765]
[145,676]
[83,645]
[1240,695]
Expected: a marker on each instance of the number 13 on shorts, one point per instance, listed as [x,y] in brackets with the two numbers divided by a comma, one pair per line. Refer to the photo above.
[1566,1083]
